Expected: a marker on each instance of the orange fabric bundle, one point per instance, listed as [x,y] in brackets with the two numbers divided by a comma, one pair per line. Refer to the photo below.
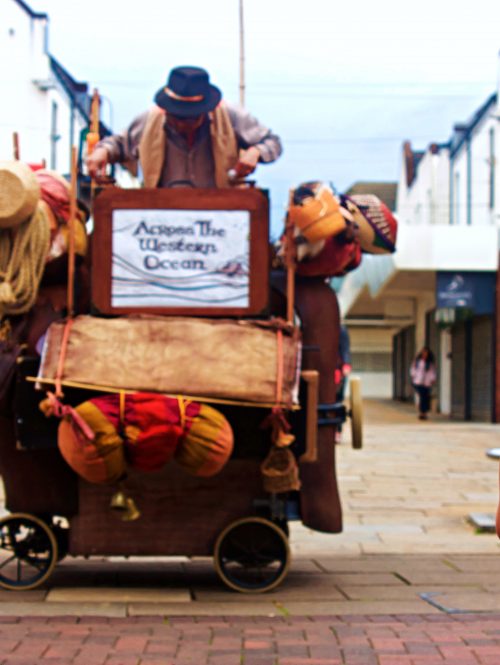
[99,461]
[316,212]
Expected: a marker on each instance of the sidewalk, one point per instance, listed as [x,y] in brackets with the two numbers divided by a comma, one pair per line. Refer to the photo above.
[414,484]
[406,497]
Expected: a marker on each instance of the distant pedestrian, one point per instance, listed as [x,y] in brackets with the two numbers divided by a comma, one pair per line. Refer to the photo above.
[342,372]
[423,377]
[344,363]
[497,521]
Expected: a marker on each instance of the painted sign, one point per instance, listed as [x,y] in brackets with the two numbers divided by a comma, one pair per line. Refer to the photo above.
[180,258]
[474,291]
[454,290]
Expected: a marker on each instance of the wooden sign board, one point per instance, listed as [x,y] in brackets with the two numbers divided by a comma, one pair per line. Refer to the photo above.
[182,251]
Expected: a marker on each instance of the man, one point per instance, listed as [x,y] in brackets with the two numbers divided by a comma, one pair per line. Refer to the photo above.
[191,137]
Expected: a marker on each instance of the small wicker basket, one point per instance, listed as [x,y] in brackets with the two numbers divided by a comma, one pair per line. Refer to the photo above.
[280,472]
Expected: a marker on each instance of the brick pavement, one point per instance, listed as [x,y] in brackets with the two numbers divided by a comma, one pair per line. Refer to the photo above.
[461,639]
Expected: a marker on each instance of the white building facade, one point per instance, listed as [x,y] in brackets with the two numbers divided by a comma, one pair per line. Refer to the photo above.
[41,102]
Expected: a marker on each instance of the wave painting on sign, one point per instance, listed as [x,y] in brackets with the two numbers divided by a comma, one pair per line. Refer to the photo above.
[180,258]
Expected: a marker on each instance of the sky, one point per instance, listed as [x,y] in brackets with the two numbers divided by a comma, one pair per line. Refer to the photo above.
[342,84]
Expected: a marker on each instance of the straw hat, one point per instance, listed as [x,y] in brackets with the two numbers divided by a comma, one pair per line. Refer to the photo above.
[19,193]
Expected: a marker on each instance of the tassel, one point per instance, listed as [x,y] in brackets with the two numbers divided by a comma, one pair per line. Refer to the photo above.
[280,427]
[6,293]
[51,406]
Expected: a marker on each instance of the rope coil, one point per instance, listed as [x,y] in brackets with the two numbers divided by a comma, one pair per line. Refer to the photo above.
[23,252]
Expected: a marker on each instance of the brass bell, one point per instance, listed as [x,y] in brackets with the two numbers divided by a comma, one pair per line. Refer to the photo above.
[118,502]
[132,512]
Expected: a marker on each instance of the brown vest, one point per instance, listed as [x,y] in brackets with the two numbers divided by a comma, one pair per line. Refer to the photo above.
[153,145]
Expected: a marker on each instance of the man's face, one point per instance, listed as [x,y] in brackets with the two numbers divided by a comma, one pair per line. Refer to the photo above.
[185,126]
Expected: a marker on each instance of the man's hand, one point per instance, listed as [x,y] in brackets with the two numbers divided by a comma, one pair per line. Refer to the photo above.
[96,162]
[247,162]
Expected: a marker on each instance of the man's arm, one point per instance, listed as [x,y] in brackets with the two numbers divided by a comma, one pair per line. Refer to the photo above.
[258,143]
[118,148]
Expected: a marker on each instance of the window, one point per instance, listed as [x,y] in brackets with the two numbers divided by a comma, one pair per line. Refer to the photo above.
[54,136]
[491,162]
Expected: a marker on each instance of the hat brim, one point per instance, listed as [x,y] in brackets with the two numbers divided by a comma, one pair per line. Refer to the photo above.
[188,109]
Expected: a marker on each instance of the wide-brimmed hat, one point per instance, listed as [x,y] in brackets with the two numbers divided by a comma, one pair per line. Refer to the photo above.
[19,193]
[188,93]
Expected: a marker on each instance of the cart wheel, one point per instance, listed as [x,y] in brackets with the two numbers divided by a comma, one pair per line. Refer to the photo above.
[356,412]
[28,552]
[252,555]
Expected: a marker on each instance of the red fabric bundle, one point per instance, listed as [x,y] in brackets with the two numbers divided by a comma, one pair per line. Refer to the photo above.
[55,193]
[153,428]
[337,257]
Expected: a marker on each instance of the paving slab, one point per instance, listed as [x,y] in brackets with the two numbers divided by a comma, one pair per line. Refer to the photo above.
[469,600]
[102,609]
[412,592]
[117,595]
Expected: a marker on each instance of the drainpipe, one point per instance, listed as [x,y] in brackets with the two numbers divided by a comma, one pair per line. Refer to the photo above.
[71,131]
[451,216]
[468,371]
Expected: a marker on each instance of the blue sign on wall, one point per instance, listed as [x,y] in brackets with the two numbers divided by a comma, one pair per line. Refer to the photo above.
[470,290]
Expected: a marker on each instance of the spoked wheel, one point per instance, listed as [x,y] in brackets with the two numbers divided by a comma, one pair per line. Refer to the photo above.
[28,552]
[356,412]
[252,555]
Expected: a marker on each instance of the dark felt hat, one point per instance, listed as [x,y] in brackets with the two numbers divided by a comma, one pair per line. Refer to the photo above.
[188,93]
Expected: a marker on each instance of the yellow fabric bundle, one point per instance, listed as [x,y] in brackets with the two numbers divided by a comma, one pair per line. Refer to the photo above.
[208,444]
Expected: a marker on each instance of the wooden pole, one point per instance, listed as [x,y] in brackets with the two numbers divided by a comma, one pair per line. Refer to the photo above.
[242,57]
[290,267]
[93,136]
[15,142]
[71,233]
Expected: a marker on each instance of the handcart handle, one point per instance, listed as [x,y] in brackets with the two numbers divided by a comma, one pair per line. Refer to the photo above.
[311,377]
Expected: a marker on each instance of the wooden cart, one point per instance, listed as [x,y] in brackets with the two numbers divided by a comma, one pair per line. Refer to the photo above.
[54,513]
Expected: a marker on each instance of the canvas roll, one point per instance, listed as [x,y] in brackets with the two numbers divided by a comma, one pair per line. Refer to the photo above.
[239,360]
